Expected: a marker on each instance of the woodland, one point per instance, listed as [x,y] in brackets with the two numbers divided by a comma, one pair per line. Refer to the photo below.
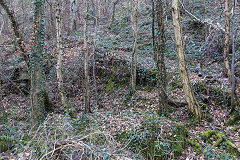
[119,79]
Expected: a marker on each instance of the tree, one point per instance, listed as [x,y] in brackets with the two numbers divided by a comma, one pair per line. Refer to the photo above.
[135,35]
[160,48]
[227,40]
[234,91]
[86,67]
[60,56]
[15,27]
[40,102]
[153,24]
[113,12]
[189,96]
[73,7]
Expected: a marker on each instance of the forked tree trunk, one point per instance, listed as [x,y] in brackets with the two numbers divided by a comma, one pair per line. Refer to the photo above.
[161,50]
[189,96]
[135,35]
[86,66]
[227,40]
[60,56]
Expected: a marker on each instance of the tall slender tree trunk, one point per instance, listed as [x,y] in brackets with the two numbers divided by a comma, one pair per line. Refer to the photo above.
[233,58]
[153,24]
[160,46]
[15,27]
[189,96]
[73,5]
[86,67]
[60,56]
[135,35]
[227,40]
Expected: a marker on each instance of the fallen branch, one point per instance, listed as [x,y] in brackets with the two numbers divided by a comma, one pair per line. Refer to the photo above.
[207,21]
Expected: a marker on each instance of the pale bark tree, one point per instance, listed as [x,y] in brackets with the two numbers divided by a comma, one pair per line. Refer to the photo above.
[227,40]
[73,10]
[86,65]
[135,35]
[189,96]
[60,56]
[234,91]
[161,50]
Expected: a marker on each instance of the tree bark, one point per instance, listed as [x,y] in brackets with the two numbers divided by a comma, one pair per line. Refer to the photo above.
[233,94]
[135,35]
[113,12]
[86,66]
[153,24]
[189,96]
[15,27]
[60,56]
[160,46]
[38,91]
[227,40]
[73,6]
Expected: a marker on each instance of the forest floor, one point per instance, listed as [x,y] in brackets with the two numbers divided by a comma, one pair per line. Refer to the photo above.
[116,119]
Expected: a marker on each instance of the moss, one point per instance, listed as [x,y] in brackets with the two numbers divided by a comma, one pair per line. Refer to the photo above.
[235,128]
[6,143]
[175,84]
[179,136]
[207,135]
[110,85]
[203,106]
[233,147]
[220,139]
[235,117]
[147,89]
[195,145]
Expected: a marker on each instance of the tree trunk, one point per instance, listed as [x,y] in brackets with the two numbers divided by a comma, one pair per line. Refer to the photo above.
[15,27]
[227,40]
[162,80]
[73,6]
[40,102]
[189,96]
[37,73]
[113,12]
[134,54]
[60,56]
[86,66]
[153,24]
[233,59]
